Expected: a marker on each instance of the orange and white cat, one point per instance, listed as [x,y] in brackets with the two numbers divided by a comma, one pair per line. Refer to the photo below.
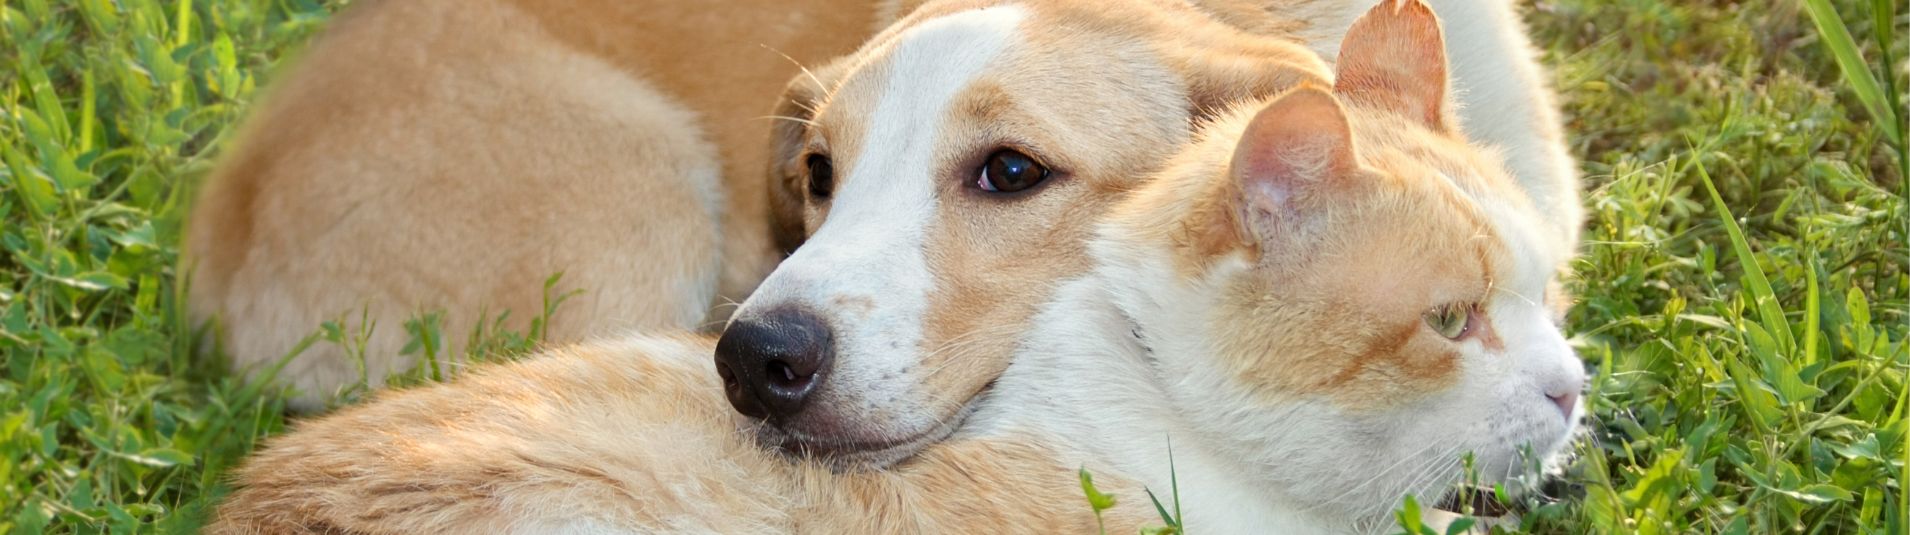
[1325,300]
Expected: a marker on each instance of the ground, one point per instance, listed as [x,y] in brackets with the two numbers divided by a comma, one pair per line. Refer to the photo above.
[1744,293]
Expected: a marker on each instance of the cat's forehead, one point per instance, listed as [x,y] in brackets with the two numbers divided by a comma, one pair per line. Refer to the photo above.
[1498,213]
[1507,216]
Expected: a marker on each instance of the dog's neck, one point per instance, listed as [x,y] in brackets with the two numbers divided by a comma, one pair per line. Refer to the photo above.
[1084,382]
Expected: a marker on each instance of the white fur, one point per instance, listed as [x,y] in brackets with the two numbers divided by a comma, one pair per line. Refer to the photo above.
[1084,379]
[572,527]
[1124,360]
[1114,401]
[871,246]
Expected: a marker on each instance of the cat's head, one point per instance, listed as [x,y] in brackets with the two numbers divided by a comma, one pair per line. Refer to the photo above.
[1339,289]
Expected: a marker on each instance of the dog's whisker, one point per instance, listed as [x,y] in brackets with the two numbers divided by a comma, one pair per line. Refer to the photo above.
[804,68]
[797,120]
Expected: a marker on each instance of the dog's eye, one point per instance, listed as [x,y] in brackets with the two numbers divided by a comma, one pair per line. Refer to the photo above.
[1451,321]
[822,176]
[1009,171]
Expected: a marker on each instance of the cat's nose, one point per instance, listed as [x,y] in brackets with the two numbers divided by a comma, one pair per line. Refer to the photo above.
[1566,401]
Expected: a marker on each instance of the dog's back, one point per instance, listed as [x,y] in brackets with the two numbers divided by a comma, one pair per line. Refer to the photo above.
[440,154]
[623,436]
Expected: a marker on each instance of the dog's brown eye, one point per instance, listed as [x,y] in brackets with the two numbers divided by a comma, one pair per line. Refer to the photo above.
[822,176]
[1009,171]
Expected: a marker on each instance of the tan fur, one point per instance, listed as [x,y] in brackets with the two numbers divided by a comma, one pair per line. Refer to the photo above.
[1164,66]
[631,434]
[452,154]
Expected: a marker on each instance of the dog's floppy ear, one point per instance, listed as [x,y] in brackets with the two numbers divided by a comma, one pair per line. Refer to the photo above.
[1394,57]
[1217,75]
[791,119]
[1294,157]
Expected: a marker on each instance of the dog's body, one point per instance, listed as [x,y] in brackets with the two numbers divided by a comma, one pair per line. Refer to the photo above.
[454,154]
[628,436]
[1269,303]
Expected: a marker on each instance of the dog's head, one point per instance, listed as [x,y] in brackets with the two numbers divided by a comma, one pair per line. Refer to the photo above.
[1345,294]
[940,181]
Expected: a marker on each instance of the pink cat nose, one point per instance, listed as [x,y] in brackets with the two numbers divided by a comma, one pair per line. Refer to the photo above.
[1566,401]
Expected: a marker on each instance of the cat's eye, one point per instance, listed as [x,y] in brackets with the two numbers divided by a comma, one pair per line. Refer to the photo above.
[822,176]
[1009,171]
[1451,321]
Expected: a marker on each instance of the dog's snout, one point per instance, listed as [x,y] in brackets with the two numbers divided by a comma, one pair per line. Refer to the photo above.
[772,363]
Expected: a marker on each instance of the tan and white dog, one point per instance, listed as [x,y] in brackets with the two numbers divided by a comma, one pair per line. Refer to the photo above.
[946,175]
[1324,300]
[454,154]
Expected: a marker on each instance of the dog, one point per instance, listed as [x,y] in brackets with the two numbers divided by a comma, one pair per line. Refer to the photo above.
[1324,299]
[454,154]
[945,177]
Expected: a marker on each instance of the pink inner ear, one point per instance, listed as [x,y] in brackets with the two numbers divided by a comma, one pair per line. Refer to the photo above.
[1394,57]
[1295,145]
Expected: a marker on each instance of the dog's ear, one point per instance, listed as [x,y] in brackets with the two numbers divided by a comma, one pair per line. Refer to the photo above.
[1292,161]
[1394,57]
[791,119]
[1217,75]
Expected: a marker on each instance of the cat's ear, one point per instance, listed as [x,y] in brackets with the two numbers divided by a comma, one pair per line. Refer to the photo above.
[1294,155]
[1394,57]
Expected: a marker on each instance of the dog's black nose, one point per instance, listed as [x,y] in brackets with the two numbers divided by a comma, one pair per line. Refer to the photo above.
[771,363]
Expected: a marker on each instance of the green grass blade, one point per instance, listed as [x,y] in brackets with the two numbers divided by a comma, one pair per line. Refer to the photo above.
[1166,518]
[1812,309]
[1837,38]
[1763,298]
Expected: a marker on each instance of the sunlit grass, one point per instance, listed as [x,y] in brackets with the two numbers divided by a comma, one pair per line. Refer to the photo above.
[1749,344]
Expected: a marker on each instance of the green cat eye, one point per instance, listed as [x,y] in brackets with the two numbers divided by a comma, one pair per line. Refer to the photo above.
[1450,321]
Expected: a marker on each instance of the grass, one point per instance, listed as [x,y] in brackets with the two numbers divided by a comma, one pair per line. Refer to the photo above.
[1745,288]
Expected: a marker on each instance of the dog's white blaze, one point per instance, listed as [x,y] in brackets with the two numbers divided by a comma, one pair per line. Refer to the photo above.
[871,246]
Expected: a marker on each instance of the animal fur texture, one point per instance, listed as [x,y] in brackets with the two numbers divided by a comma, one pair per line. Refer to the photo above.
[927,282]
[1279,302]
[450,155]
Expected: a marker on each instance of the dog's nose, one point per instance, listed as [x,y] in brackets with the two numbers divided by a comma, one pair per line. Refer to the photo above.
[772,363]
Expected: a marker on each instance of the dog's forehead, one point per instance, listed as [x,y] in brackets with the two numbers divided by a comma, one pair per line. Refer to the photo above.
[921,44]
[1014,41]
[919,65]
